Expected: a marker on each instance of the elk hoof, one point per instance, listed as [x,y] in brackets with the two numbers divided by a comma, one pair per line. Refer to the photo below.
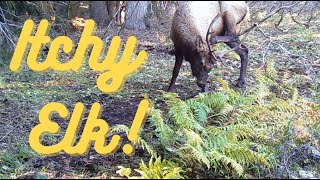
[170,89]
[240,84]
[205,89]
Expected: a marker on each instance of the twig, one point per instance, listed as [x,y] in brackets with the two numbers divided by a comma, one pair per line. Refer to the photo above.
[305,62]
[5,30]
[6,134]
[277,25]
[114,16]
[312,16]
[267,17]
[14,25]
[14,15]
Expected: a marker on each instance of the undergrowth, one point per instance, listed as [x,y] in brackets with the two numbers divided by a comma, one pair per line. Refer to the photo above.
[229,134]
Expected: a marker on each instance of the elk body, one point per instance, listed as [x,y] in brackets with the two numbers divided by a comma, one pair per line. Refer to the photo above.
[197,25]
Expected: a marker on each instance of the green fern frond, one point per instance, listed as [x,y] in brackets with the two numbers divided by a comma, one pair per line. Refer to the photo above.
[219,159]
[200,111]
[181,113]
[283,106]
[146,146]
[223,115]
[214,101]
[244,155]
[193,154]
[159,170]
[193,138]
[120,128]
[163,131]
[237,132]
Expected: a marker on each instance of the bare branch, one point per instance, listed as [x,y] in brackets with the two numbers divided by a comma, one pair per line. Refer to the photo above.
[114,16]
[280,7]
[5,30]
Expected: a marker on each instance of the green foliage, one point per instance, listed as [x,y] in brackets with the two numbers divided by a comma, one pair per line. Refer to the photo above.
[14,160]
[229,133]
[124,171]
[5,57]
[157,170]
[196,143]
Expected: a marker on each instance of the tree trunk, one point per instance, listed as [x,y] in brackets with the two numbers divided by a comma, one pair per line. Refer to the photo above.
[135,14]
[73,9]
[112,9]
[98,11]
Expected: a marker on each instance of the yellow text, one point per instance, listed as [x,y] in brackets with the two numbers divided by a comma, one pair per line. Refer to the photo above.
[114,71]
[95,130]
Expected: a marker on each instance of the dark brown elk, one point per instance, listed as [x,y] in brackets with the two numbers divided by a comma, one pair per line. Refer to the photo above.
[198,25]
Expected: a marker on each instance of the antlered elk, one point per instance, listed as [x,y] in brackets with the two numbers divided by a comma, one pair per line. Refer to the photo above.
[197,25]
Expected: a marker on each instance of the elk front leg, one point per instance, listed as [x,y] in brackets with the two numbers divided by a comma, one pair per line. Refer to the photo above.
[176,69]
[242,51]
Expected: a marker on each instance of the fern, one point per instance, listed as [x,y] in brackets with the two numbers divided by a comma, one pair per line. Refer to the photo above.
[200,111]
[119,128]
[219,160]
[193,138]
[194,155]
[181,113]
[145,145]
[158,169]
[214,101]
[244,155]
[227,132]
[163,131]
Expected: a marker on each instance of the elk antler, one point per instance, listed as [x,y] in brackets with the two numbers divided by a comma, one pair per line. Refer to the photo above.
[209,33]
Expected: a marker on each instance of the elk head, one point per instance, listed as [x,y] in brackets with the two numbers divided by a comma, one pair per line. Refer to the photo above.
[204,58]
[202,64]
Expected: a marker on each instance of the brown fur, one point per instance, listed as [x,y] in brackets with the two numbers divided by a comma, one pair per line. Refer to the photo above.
[192,20]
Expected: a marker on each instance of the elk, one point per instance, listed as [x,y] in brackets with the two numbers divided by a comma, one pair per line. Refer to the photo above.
[198,25]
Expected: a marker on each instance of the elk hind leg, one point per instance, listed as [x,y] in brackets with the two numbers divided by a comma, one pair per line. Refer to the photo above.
[220,39]
[242,50]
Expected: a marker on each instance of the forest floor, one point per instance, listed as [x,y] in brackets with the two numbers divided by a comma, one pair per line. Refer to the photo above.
[23,94]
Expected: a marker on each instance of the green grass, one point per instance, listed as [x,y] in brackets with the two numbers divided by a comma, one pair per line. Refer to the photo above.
[13,160]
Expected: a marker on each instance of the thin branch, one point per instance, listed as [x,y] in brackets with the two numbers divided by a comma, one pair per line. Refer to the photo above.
[114,16]
[5,30]
[281,7]
[305,63]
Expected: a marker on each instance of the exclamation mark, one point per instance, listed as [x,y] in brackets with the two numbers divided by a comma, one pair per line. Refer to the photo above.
[137,123]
